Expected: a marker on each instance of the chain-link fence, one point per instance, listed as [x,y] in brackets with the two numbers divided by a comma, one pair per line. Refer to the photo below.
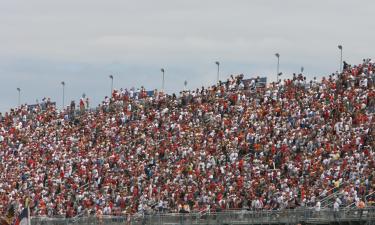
[310,216]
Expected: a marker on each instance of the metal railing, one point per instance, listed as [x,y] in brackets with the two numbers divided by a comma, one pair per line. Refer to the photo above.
[366,197]
[306,215]
[327,196]
[325,201]
[330,201]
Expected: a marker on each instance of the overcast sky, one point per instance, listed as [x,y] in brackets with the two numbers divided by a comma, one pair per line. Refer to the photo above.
[81,42]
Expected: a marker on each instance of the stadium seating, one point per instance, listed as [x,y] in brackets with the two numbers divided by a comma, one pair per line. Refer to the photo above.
[293,144]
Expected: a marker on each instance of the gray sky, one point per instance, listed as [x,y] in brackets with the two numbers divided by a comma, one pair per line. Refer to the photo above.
[44,42]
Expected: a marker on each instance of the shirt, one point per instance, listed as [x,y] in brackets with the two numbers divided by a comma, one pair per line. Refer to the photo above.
[336,206]
[317,206]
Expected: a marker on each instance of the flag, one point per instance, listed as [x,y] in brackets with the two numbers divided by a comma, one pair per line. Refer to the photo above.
[23,218]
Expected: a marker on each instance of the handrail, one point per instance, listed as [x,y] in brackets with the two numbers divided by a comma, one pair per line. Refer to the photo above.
[202,212]
[226,212]
[332,202]
[328,192]
[369,195]
[78,216]
[325,199]
[287,216]
[350,205]
[356,202]
[83,186]
[245,157]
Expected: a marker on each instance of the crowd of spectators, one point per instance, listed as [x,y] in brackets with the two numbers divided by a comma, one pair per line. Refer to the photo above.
[225,147]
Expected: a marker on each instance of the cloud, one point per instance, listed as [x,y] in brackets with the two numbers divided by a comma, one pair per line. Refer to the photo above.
[43,42]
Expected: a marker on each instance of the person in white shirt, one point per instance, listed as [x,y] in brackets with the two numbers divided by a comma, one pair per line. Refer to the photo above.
[318,206]
[336,206]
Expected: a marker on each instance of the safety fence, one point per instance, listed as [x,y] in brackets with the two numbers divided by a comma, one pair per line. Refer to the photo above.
[305,216]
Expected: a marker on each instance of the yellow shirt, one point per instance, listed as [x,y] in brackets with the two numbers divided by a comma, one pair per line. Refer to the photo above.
[337,183]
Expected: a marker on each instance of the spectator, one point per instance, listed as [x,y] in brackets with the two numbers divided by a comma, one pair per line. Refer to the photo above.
[217,148]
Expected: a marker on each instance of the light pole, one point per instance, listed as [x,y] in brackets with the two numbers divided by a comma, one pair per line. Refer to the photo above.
[340,47]
[162,82]
[185,84]
[218,70]
[111,77]
[19,96]
[278,75]
[63,94]
[302,69]
[278,65]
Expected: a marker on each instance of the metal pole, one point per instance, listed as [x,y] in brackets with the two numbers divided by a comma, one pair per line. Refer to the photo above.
[218,71]
[63,105]
[278,65]
[111,85]
[163,80]
[341,60]
[340,47]
[111,77]
[19,96]
[63,94]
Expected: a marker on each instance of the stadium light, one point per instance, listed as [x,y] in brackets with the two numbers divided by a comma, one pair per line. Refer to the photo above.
[340,47]
[63,94]
[162,82]
[278,65]
[111,77]
[218,69]
[19,96]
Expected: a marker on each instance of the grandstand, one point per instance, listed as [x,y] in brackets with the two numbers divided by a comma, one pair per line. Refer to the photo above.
[239,152]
